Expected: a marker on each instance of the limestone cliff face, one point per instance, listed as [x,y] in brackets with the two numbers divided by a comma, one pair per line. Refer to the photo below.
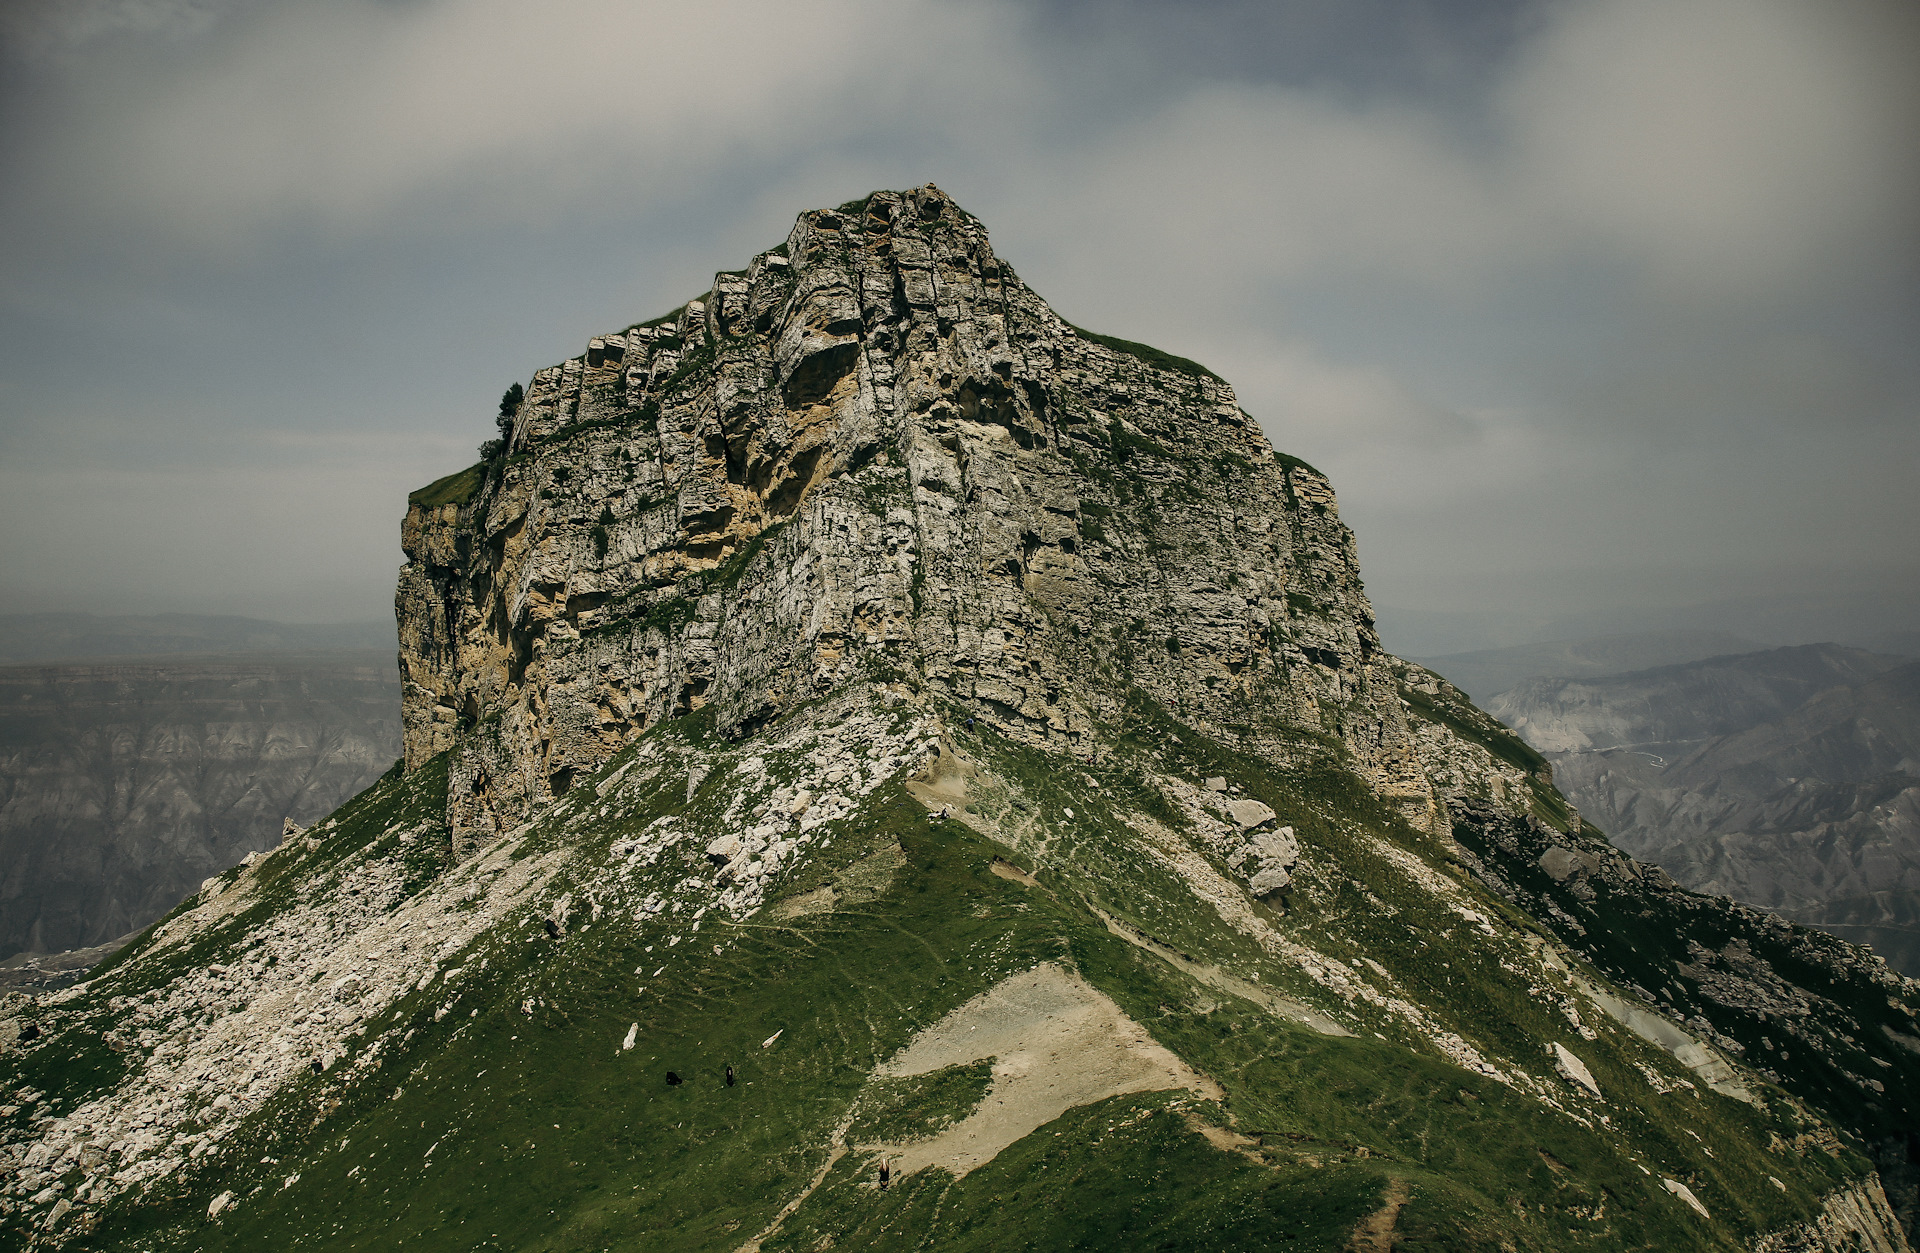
[874,452]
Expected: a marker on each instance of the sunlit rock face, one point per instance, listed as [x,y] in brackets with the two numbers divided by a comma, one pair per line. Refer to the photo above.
[874,451]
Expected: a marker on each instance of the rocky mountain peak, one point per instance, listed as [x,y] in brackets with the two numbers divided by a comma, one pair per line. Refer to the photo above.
[875,451]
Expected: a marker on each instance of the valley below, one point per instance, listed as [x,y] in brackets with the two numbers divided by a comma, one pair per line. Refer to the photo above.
[1787,778]
[126,782]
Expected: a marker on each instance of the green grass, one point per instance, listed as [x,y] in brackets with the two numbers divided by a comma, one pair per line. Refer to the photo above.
[1125,1173]
[455,489]
[492,1127]
[727,573]
[1152,356]
[920,1105]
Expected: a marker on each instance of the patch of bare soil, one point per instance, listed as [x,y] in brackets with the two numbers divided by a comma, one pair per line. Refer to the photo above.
[865,880]
[1225,1140]
[1007,870]
[1056,1043]
[1376,1231]
[942,782]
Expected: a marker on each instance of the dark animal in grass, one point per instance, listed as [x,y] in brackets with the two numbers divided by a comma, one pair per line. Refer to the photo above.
[673,1080]
[553,930]
[729,1076]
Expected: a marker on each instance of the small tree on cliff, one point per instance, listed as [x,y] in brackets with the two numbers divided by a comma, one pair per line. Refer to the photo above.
[509,406]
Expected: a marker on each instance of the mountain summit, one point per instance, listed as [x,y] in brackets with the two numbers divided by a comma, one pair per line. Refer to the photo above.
[886,768]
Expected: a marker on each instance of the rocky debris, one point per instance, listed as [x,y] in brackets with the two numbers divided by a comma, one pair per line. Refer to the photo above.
[1248,814]
[225,1038]
[1268,859]
[1852,1220]
[1685,1193]
[1572,1069]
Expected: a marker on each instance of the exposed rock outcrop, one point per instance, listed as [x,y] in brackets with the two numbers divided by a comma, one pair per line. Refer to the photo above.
[950,486]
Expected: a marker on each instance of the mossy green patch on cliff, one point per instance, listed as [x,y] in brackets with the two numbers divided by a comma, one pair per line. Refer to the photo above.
[727,573]
[1149,354]
[1294,463]
[455,489]
[1478,728]
[1126,443]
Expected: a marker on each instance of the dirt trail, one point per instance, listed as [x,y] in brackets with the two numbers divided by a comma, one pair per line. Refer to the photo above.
[1057,1043]
[837,1149]
[1376,1231]
[1214,977]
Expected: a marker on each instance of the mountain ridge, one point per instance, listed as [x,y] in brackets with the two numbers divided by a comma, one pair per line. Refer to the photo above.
[1786,778]
[60,638]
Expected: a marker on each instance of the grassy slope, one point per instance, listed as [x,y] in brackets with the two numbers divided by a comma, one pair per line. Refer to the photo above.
[495,1128]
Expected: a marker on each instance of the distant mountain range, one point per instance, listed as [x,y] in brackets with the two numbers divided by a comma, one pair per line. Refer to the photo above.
[29,637]
[1787,778]
[1488,672]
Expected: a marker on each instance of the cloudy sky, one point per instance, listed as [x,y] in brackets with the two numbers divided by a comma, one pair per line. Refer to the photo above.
[1602,314]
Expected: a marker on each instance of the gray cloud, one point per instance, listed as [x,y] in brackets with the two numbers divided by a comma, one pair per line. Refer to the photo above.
[1571,298]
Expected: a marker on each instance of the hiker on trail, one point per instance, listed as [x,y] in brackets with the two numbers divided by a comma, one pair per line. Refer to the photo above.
[673,1080]
[945,811]
[886,1174]
[729,1076]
